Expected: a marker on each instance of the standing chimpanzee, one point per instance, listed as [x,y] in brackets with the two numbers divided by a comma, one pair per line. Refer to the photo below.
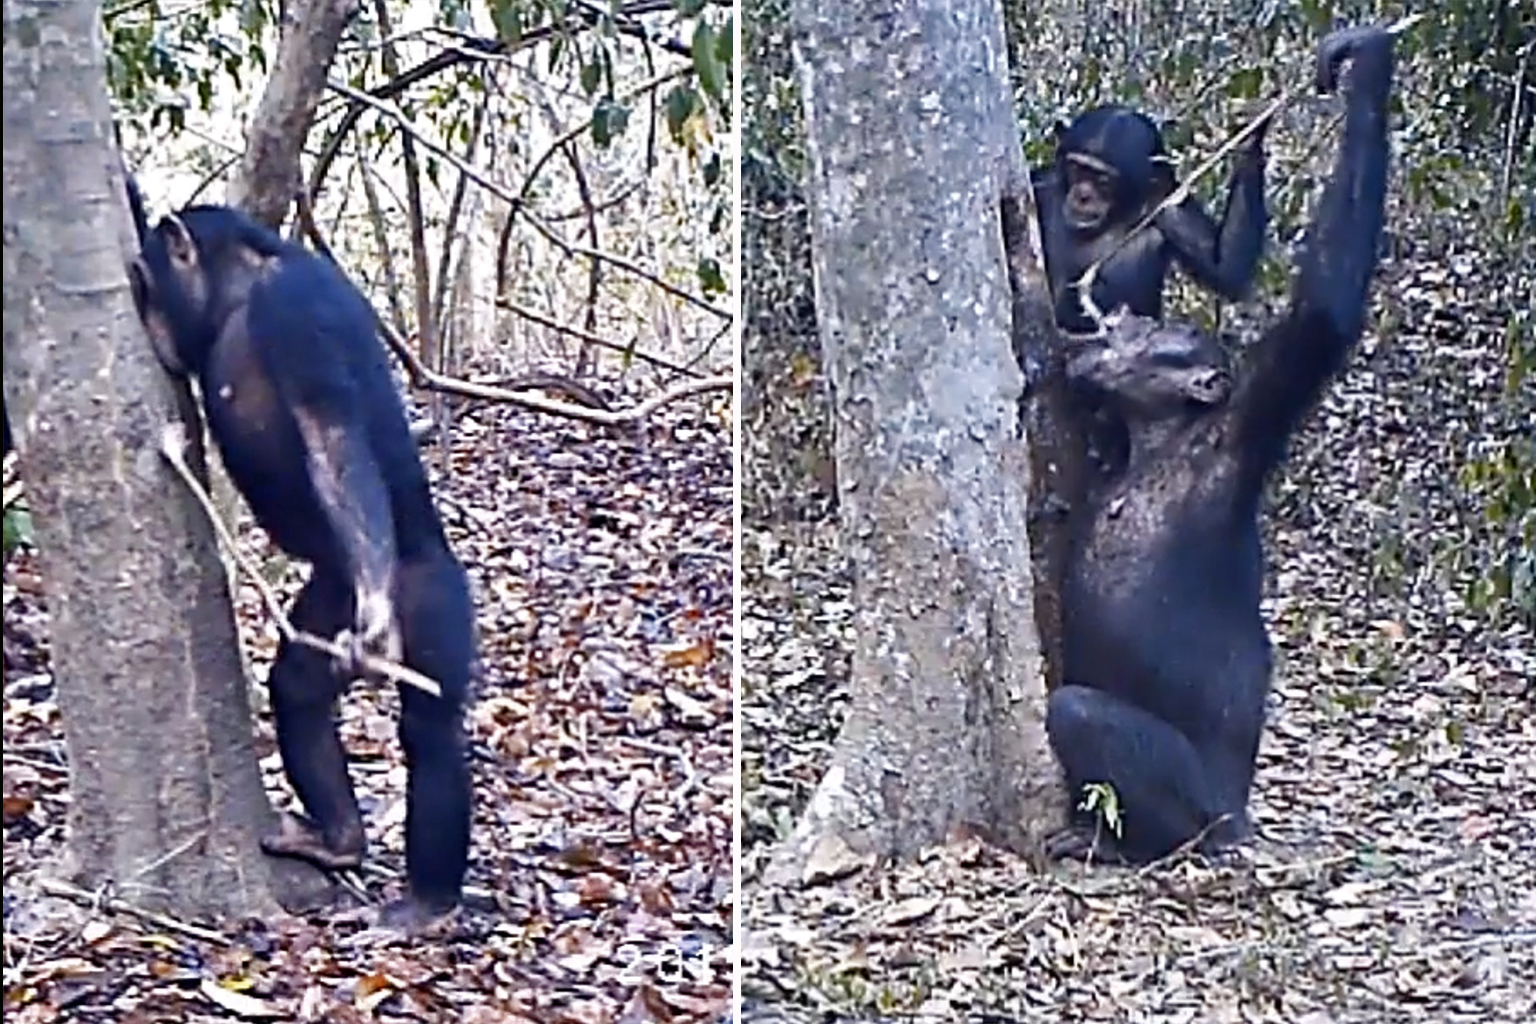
[1110,170]
[299,398]
[1167,659]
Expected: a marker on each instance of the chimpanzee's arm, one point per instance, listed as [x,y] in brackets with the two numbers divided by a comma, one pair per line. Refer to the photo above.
[313,326]
[1223,259]
[1290,365]
[350,486]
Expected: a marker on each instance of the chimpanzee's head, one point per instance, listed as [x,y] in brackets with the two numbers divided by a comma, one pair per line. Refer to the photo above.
[1153,370]
[1112,161]
[193,269]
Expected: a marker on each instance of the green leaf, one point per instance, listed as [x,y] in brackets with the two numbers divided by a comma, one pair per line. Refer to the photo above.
[711,74]
[507,16]
[609,119]
[681,102]
[689,8]
[710,278]
[725,41]
[590,73]
[18,528]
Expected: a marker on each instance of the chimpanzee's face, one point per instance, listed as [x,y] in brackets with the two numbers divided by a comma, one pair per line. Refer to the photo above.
[171,294]
[1091,190]
[1152,369]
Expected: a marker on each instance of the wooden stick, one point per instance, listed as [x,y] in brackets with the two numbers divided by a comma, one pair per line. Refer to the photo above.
[173,444]
[53,887]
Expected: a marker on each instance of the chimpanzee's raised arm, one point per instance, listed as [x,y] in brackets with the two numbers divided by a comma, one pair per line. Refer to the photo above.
[1224,259]
[1289,366]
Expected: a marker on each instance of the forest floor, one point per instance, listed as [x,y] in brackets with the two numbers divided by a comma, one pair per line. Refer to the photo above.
[1394,879]
[601,740]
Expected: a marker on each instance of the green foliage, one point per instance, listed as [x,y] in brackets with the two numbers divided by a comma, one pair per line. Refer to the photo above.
[17,527]
[1101,799]
[163,61]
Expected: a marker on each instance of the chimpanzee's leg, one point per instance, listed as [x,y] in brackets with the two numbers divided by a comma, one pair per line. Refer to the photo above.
[1164,789]
[304,690]
[438,633]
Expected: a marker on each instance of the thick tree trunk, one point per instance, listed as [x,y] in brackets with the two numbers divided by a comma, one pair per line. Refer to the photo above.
[269,175]
[908,129]
[166,798]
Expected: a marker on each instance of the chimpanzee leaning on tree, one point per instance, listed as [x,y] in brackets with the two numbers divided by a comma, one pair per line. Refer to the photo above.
[1110,171]
[1167,662]
[298,395]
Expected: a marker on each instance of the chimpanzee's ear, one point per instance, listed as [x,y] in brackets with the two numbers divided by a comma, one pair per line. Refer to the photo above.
[139,282]
[178,241]
[152,315]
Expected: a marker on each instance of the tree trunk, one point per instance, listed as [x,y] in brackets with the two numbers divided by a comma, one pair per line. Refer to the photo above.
[909,132]
[166,799]
[269,175]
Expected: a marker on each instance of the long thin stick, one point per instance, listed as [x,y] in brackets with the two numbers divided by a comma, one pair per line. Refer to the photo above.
[173,445]
[1084,284]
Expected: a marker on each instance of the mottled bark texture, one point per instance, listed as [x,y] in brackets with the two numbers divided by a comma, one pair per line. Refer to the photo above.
[166,798]
[909,131]
[269,177]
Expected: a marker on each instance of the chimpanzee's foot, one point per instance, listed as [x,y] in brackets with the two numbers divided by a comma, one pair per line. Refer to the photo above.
[300,838]
[411,914]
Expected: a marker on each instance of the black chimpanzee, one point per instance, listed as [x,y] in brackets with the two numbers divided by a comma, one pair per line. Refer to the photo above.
[1167,659]
[299,399]
[1110,169]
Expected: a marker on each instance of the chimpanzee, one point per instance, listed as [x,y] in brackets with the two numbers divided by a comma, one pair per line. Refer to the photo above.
[299,399]
[1111,168]
[1167,662]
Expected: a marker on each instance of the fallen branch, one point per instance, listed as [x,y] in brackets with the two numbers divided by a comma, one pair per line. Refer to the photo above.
[64,890]
[173,444]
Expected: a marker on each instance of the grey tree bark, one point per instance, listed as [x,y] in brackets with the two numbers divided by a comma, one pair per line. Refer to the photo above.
[913,149]
[269,175]
[167,800]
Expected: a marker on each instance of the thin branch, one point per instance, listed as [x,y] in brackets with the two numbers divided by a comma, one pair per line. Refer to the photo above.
[380,234]
[478,177]
[484,48]
[595,339]
[54,887]
[424,377]
[173,444]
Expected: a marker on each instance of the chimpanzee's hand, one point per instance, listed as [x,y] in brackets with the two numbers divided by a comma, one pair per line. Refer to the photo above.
[1368,41]
[374,633]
